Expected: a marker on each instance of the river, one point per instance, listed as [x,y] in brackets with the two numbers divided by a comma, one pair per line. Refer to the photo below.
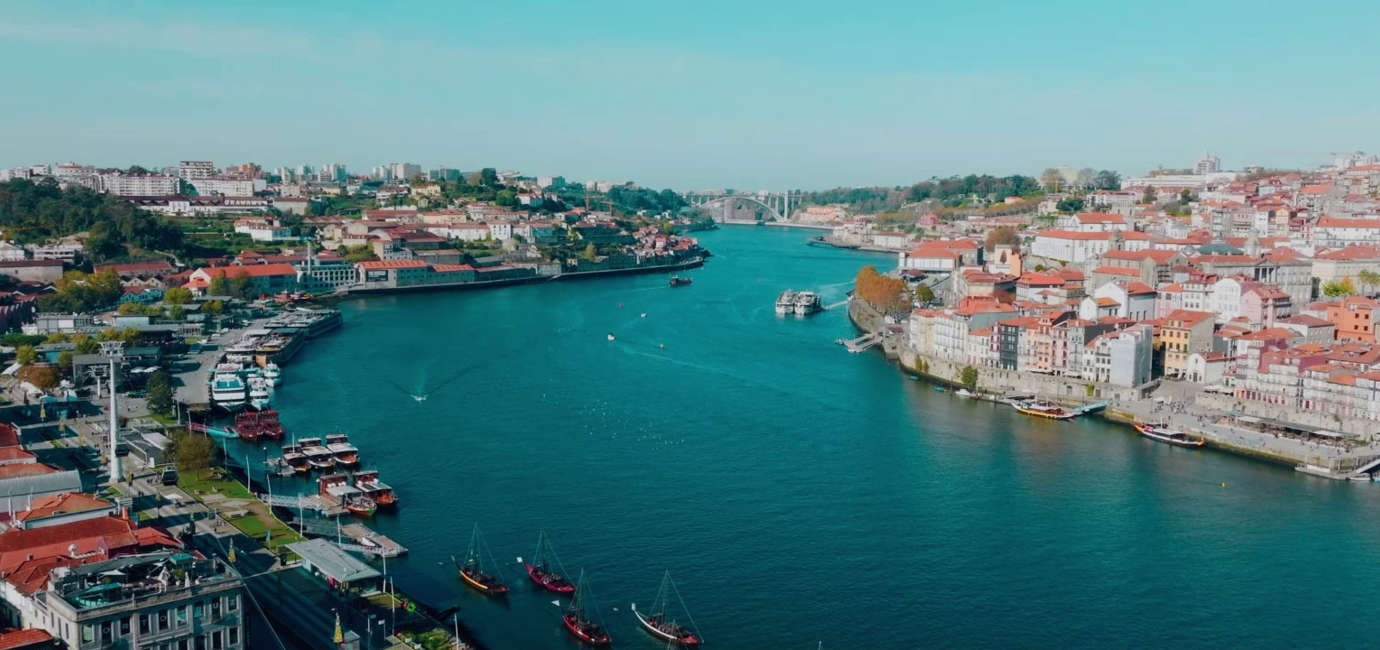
[799,494]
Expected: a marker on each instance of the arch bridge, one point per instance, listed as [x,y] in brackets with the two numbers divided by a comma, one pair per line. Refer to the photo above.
[744,206]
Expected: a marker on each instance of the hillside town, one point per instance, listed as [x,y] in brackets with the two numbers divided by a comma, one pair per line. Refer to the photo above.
[1249,295]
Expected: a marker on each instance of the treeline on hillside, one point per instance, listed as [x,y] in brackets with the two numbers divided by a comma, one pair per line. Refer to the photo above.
[885,293]
[951,191]
[621,199]
[35,212]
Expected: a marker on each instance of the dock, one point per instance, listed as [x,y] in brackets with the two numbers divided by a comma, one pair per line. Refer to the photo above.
[1091,407]
[312,502]
[862,343]
[353,537]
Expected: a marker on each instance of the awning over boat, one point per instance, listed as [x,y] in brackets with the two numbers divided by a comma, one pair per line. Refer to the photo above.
[323,557]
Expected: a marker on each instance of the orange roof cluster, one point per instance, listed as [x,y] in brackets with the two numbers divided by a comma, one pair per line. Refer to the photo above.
[62,504]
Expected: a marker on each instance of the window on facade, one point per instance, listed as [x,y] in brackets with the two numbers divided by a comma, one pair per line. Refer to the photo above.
[215,640]
[197,611]
[124,627]
[201,642]
[215,608]
[181,615]
[143,624]
[232,603]
[88,633]
[234,637]
[105,631]
[162,619]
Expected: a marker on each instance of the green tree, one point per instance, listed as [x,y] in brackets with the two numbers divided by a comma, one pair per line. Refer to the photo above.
[219,286]
[488,177]
[968,377]
[242,287]
[56,337]
[86,344]
[177,296]
[923,294]
[176,313]
[213,307]
[590,253]
[160,392]
[1339,288]
[193,452]
[1107,180]
[25,355]
[65,359]
[1149,195]
[130,309]
[506,198]
[1069,205]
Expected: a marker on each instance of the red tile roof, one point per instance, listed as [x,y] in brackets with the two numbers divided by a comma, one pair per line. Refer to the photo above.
[249,270]
[26,638]
[60,504]
[392,264]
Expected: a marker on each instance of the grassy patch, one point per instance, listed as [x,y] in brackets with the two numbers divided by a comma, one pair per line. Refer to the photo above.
[164,419]
[249,525]
[436,639]
[203,483]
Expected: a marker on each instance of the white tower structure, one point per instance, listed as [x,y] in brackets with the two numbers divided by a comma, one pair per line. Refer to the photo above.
[115,352]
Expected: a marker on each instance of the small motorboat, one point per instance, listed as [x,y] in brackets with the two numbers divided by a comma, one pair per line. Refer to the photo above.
[1163,433]
[610,336]
[964,393]
[679,281]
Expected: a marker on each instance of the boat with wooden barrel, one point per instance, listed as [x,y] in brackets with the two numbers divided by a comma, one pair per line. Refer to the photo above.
[544,568]
[1042,409]
[269,425]
[472,569]
[1163,433]
[368,482]
[579,623]
[658,623]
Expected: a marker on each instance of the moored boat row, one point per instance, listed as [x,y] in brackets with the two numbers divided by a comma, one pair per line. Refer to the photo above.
[580,617]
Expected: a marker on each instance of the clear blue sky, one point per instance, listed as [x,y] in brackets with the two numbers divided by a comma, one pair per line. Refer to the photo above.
[748,94]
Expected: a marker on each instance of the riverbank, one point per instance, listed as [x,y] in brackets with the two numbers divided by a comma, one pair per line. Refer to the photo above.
[1178,403]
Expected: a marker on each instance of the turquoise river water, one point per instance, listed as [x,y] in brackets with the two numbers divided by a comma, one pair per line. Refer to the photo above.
[801,495]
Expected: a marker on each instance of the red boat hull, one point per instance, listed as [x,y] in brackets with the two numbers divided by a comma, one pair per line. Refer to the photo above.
[572,624]
[549,582]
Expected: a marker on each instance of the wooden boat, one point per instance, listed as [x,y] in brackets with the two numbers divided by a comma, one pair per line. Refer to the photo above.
[579,624]
[361,506]
[656,622]
[542,571]
[368,482]
[1044,410]
[472,569]
[1162,433]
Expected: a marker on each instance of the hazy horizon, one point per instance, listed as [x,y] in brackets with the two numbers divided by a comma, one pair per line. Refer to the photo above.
[762,96]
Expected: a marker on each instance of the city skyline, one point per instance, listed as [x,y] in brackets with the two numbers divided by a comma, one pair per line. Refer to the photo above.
[719,95]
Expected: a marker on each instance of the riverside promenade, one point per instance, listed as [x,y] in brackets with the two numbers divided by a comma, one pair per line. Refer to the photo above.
[1182,404]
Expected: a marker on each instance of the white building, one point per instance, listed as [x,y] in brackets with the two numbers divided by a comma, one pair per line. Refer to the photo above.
[1208,164]
[209,186]
[138,185]
[405,171]
[194,169]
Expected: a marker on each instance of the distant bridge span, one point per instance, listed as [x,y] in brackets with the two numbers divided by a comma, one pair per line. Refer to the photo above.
[728,206]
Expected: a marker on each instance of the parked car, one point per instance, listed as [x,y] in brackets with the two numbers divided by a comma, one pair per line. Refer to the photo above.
[169,476]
